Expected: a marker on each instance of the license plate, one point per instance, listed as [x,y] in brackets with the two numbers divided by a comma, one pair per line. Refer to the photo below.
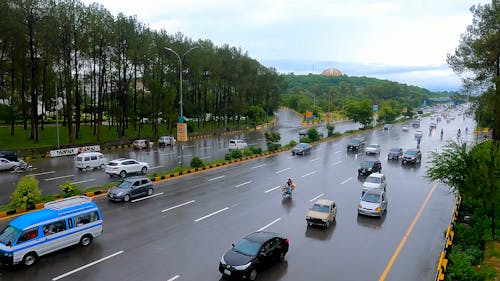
[227,272]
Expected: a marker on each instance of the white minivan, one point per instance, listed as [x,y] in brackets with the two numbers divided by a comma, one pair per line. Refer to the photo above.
[90,160]
[237,144]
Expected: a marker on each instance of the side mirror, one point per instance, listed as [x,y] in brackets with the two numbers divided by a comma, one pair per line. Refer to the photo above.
[232,244]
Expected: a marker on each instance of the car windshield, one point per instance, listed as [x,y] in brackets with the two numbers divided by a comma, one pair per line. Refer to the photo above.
[373,179]
[9,234]
[373,146]
[320,208]
[411,152]
[125,185]
[371,197]
[247,247]
[367,164]
[355,141]
[112,164]
[301,145]
[396,150]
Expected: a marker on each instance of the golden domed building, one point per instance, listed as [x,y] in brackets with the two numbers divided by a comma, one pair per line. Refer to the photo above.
[331,72]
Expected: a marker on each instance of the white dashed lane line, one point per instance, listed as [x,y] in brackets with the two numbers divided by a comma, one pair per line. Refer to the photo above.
[177,206]
[315,159]
[146,197]
[242,184]
[338,151]
[86,266]
[346,180]
[156,167]
[281,171]
[43,173]
[314,199]
[77,182]
[258,166]
[174,278]
[274,188]
[269,224]
[216,178]
[336,163]
[211,214]
[57,178]
[308,174]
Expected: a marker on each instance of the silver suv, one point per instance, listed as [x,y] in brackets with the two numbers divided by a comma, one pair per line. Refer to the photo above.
[121,167]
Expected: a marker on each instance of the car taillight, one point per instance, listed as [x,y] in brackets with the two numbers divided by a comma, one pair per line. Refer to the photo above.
[287,242]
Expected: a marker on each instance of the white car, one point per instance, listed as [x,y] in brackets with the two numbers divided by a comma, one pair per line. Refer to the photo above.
[375,181]
[405,128]
[373,149]
[140,144]
[237,144]
[6,164]
[122,167]
[166,140]
[418,134]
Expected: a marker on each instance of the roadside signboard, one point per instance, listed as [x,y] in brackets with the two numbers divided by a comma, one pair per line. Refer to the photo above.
[181,131]
[375,108]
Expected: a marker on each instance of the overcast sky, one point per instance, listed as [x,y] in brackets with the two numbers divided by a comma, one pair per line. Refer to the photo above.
[400,40]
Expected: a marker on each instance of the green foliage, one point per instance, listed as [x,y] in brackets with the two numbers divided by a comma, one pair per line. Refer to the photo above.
[227,156]
[272,140]
[351,131]
[330,128]
[451,165]
[292,143]
[236,153]
[196,162]
[26,194]
[69,189]
[335,134]
[255,150]
[460,268]
[256,114]
[360,111]
[305,139]
[247,152]
[313,134]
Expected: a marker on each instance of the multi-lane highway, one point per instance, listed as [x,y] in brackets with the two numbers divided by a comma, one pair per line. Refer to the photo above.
[182,233]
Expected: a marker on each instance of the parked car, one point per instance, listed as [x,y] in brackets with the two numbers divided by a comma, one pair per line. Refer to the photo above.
[302,148]
[90,160]
[322,213]
[303,133]
[252,254]
[369,166]
[11,156]
[395,153]
[356,144]
[140,144]
[166,140]
[405,128]
[373,203]
[412,155]
[6,164]
[237,144]
[387,127]
[130,188]
[373,148]
[375,181]
[122,167]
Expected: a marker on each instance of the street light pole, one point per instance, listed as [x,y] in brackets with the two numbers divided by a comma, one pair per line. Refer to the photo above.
[180,99]
[57,119]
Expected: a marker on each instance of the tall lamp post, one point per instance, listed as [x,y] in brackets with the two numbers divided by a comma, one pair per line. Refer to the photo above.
[181,126]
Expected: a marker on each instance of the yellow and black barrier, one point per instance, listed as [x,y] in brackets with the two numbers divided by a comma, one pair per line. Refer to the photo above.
[449,235]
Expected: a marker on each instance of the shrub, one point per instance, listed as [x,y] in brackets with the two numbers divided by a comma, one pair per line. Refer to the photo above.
[330,128]
[69,189]
[313,134]
[351,131]
[306,139]
[227,156]
[273,146]
[256,150]
[292,143]
[248,152]
[460,269]
[27,193]
[235,154]
[196,162]
[335,134]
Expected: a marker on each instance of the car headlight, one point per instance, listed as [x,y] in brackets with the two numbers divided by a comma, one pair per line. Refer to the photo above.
[378,209]
[308,218]
[323,220]
[119,194]
[222,261]
[369,169]
[359,206]
[242,267]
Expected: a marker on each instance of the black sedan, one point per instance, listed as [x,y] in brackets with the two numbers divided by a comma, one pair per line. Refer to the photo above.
[302,148]
[395,153]
[253,253]
[369,166]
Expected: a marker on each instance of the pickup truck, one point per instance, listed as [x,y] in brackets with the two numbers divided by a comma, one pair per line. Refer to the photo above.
[322,213]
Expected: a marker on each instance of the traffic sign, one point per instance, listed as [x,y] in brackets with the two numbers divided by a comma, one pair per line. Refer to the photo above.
[181,131]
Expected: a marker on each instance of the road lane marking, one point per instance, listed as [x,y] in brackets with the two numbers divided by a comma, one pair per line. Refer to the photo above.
[338,151]
[212,214]
[177,206]
[77,182]
[43,173]
[205,157]
[346,180]
[269,224]
[315,159]
[242,184]
[258,166]
[86,266]
[190,145]
[294,156]
[61,177]
[174,278]
[146,197]
[407,234]
[274,188]
[308,174]
[314,199]
[281,171]
[185,155]
[216,178]
[336,163]
[156,167]
[170,153]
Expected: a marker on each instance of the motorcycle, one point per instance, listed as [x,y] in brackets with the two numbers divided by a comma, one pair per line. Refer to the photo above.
[23,166]
[285,193]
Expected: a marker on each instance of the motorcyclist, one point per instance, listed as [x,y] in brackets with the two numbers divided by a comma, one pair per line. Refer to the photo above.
[441,134]
[289,186]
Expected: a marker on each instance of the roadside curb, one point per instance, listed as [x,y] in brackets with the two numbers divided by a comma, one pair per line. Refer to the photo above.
[449,235]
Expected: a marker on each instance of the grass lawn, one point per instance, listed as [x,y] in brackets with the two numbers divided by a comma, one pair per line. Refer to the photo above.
[47,138]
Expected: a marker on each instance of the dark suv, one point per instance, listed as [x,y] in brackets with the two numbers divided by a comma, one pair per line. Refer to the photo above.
[130,188]
[11,156]
[356,144]
[412,155]
[369,166]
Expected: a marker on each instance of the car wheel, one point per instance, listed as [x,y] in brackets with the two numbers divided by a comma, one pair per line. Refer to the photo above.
[88,169]
[282,256]
[123,174]
[144,170]
[86,240]
[150,192]
[126,198]
[101,166]
[30,258]
[80,169]
[253,274]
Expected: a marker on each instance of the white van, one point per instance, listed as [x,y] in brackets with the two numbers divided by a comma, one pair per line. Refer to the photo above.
[62,223]
[237,144]
[90,160]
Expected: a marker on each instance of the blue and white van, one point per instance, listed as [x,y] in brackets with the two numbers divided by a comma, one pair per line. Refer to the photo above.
[62,223]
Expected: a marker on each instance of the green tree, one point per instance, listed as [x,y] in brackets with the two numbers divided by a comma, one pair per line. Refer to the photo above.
[27,193]
[360,111]
[256,114]
[313,134]
[272,140]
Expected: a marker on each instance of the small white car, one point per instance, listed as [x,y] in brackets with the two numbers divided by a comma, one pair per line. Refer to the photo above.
[373,203]
[166,140]
[372,149]
[237,144]
[375,181]
[418,134]
[405,128]
[6,164]
[122,167]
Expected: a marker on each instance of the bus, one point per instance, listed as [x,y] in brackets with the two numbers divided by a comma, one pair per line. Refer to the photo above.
[60,224]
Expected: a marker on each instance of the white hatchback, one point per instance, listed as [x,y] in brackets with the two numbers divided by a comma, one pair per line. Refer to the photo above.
[121,167]
[373,149]
[237,144]
[375,181]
